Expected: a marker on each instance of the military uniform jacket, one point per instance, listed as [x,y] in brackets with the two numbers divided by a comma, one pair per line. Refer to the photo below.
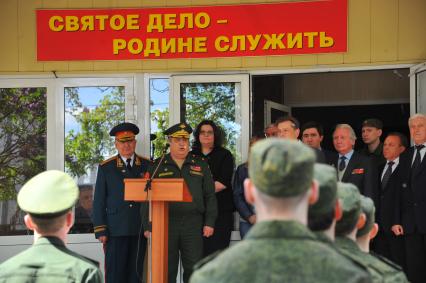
[278,251]
[112,216]
[196,173]
[379,270]
[49,261]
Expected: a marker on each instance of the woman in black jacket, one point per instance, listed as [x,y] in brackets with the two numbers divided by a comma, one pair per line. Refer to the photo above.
[208,144]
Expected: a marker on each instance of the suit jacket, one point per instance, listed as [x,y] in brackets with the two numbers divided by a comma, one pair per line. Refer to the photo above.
[411,204]
[359,171]
[112,215]
[386,199]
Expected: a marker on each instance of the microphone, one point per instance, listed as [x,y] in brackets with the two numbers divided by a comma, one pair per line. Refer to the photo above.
[148,183]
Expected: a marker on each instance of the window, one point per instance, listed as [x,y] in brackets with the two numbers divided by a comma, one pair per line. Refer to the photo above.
[23,130]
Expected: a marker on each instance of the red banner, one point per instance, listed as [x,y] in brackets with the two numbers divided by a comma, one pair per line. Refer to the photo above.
[306,27]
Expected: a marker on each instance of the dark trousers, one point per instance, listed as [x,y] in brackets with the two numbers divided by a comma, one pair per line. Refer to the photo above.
[222,234]
[186,238]
[415,245]
[391,247]
[123,259]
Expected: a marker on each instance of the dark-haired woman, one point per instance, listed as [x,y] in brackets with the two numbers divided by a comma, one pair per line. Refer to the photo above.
[208,144]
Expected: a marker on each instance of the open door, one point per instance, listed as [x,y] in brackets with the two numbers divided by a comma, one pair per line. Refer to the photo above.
[418,88]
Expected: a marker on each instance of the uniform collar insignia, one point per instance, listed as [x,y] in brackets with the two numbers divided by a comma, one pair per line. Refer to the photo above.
[119,162]
[137,161]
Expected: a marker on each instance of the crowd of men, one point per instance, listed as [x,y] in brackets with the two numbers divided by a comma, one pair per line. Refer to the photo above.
[321,216]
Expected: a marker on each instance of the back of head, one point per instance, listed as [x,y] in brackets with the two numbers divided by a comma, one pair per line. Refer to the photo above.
[48,196]
[281,168]
[350,199]
[367,207]
[321,214]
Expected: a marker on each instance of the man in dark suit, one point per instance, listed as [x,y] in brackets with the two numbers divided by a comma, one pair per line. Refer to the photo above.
[289,128]
[117,222]
[312,135]
[391,180]
[411,205]
[352,167]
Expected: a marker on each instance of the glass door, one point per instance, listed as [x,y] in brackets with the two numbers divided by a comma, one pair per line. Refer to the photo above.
[418,88]
[221,98]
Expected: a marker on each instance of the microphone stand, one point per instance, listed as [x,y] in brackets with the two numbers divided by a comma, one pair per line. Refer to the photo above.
[149,197]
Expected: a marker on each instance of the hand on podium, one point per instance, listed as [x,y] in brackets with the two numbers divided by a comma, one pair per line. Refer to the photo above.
[208,231]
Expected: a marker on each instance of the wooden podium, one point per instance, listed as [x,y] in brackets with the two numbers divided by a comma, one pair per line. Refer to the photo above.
[162,191]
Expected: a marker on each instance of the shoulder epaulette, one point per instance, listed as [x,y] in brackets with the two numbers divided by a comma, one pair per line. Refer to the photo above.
[143,157]
[206,260]
[387,261]
[108,160]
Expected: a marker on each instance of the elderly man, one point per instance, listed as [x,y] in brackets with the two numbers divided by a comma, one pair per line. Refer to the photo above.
[48,199]
[117,222]
[352,167]
[188,222]
[411,207]
[279,247]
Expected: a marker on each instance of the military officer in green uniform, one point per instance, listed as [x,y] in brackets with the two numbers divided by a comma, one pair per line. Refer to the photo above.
[347,227]
[117,223]
[279,247]
[48,199]
[190,221]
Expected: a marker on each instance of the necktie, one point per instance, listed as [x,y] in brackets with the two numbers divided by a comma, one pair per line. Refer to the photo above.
[387,174]
[417,160]
[129,165]
[342,164]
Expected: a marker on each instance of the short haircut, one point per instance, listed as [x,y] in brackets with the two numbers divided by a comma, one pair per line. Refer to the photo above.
[416,116]
[313,124]
[322,222]
[294,121]
[49,225]
[348,127]
[273,203]
[402,138]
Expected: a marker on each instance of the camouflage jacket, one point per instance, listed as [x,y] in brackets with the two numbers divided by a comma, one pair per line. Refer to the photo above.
[378,269]
[278,251]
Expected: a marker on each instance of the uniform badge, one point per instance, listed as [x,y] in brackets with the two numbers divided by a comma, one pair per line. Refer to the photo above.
[192,172]
[358,171]
[196,168]
[165,174]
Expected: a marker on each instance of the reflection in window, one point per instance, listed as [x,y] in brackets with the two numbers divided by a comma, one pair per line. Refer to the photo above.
[22,149]
[159,98]
[217,102]
[90,113]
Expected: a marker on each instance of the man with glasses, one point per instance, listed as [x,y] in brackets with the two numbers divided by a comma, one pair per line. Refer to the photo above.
[117,222]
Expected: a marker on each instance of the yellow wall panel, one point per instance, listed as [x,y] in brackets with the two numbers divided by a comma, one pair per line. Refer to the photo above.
[105,65]
[303,60]
[358,32]
[178,64]
[203,2]
[130,3]
[9,36]
[129,65]
[330,59]
[27,36]
[80,66]
[412,30]
[103,3]
[55,4]
[75,4]
[253,62]
[55,66]
[384,30]
[178,3]
[154,3]
[154,65]
[208,64]
[278,61]
[229,63]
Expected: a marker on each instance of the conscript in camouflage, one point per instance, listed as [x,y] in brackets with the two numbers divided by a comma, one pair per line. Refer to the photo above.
[279,248]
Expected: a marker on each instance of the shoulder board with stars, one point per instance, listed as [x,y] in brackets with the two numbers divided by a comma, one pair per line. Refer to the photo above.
[139,158]
[108,160]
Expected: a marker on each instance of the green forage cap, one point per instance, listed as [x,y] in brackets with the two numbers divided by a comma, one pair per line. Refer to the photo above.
[327,178]
[180,130]
[350,199]
[367,207]
[48,194]
[281,168]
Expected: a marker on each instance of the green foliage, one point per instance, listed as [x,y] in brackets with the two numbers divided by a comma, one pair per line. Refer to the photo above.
[87,147]
[22,137]
[161,118]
